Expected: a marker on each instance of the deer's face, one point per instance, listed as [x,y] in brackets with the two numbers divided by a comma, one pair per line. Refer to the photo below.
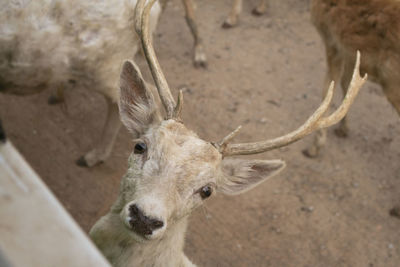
[172,171]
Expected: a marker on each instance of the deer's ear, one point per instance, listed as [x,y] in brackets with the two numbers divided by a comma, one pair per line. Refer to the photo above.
[242,175]
[136,104]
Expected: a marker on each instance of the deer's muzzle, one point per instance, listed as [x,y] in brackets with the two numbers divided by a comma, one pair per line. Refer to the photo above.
[142,224]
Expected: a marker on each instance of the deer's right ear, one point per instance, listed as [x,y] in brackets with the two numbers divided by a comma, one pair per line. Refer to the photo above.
[136,104]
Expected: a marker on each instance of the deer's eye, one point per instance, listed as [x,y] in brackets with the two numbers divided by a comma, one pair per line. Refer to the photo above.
[205,191]
[140,148]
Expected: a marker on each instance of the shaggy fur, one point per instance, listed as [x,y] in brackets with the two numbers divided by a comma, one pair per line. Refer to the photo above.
[48,43]
[371,26]
[56,44]
[165,182]
[59,44]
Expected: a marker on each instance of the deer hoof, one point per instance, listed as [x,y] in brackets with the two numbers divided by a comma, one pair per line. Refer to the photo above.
[91,159]
[228,23]
[395,212]
[200,64]
[342,133]
[200,60]
[54,100]
[258,12]
[311,152]
[81,162]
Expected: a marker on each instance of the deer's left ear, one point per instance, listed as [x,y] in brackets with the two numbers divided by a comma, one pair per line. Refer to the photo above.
[242,175]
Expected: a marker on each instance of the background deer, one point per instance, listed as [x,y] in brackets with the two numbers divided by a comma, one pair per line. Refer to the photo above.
[371,26]
[172,171]
[59,44]
[233,17]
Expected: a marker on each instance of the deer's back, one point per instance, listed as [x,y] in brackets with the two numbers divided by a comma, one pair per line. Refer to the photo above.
[47,42]
[371,26]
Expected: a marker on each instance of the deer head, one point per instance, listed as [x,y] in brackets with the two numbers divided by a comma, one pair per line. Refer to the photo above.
[171,170]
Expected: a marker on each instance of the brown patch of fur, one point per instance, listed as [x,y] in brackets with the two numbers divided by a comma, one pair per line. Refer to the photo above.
[366,25]
[371,26]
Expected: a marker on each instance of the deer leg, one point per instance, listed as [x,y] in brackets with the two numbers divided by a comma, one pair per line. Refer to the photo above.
[343,129]
[319,137]
[233,16]
[260,9]
[392,93]
[334,63]
[103,149]
[200,59]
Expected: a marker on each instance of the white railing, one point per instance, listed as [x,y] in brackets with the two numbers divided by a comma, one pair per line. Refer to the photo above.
[35,229]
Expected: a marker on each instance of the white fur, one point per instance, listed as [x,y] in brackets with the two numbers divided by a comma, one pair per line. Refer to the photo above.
[59,44]
[51,42]
[165,183]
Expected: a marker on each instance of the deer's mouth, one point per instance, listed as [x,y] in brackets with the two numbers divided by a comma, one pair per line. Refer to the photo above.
[143,229]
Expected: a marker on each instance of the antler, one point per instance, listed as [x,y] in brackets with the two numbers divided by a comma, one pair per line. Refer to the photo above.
[315,122]
[142,14]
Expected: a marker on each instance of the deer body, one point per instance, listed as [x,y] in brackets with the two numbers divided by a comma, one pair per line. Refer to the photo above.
[164,183]
[58,44]
[48,43]
[371,26]
[61,44]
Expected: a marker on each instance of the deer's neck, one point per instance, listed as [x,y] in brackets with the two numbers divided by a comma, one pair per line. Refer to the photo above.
[167,251]
[116,242]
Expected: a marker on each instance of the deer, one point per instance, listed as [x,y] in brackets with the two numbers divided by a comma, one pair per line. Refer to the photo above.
[62,44]
[371,26]
[233,17]
[171,171]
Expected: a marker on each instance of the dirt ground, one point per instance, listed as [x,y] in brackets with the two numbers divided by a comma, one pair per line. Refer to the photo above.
[266,75]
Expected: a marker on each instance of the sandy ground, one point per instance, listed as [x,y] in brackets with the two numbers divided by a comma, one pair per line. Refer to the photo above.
[266,75]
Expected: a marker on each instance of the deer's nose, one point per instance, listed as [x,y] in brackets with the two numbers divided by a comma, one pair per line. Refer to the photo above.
[141,223]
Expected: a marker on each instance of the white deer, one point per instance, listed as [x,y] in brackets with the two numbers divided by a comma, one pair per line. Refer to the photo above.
[172,171]
[59,44]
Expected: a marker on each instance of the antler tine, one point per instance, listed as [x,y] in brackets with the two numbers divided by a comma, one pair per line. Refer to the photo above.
[138,16]
[178,107]
[355,85]
[142,14]
[228,138]
[315,122]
